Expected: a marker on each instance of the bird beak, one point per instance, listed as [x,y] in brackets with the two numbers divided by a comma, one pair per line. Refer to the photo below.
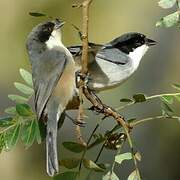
[150,42]
[59,24]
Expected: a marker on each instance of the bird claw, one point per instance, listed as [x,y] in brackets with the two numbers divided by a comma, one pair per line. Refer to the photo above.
[80,76]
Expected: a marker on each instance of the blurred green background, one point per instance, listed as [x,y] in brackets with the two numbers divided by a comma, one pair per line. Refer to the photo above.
[158,141]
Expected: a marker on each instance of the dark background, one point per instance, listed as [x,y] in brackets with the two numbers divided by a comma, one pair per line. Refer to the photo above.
[158,141]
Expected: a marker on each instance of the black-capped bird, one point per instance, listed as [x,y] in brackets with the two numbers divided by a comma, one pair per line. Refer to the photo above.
[53,72]
[111,64]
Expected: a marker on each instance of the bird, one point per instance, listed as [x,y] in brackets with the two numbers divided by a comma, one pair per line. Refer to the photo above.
[111,64]
[53,73]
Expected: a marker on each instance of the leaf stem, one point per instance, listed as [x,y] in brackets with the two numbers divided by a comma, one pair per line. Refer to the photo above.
[118,152]
[85,150]
[148,98]
[9,127]
[138,122]
[161,95]
[132,152]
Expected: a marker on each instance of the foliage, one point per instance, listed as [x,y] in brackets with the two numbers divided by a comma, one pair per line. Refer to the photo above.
[171,19]
[21,123]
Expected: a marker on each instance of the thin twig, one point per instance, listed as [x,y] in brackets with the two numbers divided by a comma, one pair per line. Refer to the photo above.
[100,152]
[148,98]
[97,158]
[141,121]
[107,111]
[85,14]
[87,144]
[84,61]
[161,95]
[118,152]
[78,128]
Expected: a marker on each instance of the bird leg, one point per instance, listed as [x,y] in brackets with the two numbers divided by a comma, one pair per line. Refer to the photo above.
[75,121]
[80,76]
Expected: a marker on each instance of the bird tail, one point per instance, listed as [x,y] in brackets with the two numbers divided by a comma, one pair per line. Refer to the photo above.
[52,164]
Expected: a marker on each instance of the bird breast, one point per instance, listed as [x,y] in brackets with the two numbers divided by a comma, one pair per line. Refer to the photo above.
[65,88]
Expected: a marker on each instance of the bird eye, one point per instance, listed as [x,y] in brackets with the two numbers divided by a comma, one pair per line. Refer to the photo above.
[49,29]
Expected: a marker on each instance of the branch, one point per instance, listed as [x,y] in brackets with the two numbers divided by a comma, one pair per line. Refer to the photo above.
[85,14]
[109,112]
[97,104]
[84,61]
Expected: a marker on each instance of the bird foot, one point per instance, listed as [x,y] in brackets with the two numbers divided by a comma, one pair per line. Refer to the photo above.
[80,76]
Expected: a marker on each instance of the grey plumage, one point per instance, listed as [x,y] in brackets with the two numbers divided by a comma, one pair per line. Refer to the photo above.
[46,73]
[103,59]
[53,72]
[114,62]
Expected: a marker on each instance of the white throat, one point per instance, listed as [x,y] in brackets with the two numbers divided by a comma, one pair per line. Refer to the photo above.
[137,55]
[54,39]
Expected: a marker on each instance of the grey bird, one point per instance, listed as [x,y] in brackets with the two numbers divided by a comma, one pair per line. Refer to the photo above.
[53,72]
[113,63]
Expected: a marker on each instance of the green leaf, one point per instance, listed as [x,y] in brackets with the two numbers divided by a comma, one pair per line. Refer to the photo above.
[110,176]
[10,110]
[29,133]
[24,110]
[121,157]
[133,176]
[138,156]
[23,88]
[38,133]
[6,121]
[166,109]
[26,76]
[177,97]
[176,86]
[74,147]
[37,14]
[91,165]
[126,100]
[70,163]
[2,143]
[169,21]
[138,98]
[178,4]
[69,175]
[167,3]
[167,99]
[17,98]
[11,137]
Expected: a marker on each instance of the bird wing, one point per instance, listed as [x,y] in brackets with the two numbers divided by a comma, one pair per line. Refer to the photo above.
[46,72]
[113,55]
[76,51]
